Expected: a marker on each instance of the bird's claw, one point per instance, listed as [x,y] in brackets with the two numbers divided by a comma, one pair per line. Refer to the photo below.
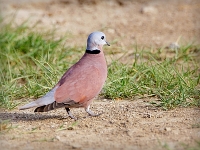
[70,114]
[93,114]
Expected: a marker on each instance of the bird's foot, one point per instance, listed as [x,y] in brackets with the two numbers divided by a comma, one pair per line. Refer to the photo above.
[70,114]
[91,113]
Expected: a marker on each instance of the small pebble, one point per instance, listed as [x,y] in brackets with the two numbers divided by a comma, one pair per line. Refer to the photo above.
[168,129]
[58,138]
[174,46]
[149,10]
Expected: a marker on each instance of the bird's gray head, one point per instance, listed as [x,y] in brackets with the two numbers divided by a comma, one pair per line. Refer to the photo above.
[96,40]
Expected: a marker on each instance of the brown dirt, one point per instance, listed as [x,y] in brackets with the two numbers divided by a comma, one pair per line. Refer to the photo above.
[124,124]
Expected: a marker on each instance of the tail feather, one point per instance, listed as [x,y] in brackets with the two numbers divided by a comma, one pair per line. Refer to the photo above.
[45,100]
[40,109]
[29,105]
[49,107]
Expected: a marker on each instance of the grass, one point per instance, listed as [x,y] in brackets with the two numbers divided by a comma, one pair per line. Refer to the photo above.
[174,80]
[32,63]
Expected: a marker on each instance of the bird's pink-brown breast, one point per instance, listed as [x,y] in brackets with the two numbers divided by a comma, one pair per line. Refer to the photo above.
[83,81]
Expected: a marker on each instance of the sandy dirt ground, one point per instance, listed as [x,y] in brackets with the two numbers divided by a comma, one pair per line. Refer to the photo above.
[124,124]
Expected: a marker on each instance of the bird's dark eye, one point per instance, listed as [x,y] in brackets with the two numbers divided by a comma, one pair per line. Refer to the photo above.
[102,37]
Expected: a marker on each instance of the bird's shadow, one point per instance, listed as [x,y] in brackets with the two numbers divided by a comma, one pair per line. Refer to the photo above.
[17,116]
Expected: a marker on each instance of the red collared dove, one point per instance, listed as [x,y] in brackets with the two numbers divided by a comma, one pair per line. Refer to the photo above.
[80,83]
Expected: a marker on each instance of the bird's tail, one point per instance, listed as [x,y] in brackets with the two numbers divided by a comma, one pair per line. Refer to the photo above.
[45,100]
[29,105]
[49,107]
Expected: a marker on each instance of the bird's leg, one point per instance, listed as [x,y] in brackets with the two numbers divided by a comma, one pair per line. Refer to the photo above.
[69,113]
[87,109]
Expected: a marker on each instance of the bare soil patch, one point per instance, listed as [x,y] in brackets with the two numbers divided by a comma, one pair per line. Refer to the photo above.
[123,125]
[145,22]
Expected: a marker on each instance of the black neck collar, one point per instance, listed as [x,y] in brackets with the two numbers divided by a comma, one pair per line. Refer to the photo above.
[96,51]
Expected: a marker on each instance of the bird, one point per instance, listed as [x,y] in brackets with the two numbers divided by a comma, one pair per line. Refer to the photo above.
[81,83]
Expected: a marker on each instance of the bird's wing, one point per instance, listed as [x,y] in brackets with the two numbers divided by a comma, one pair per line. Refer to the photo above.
[80,84]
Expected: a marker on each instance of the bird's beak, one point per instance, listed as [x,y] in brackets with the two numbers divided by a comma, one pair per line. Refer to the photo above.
[107,43]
